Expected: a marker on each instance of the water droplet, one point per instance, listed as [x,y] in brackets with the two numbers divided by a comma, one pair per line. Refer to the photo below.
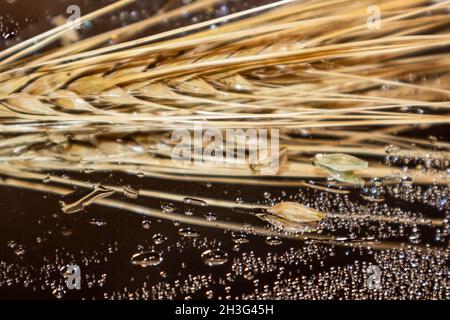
[130,192]
[146,259]
[168,207]
[140,175]
[273,241]
[159,238]
[240,238]
[89,170]
[407,180]
[371,197]
[66,230]
[146,224]
[188,232]
[214,257]
[98,222]
[59,292]
[210,216]
[19,249]
[390,149]
[196,202]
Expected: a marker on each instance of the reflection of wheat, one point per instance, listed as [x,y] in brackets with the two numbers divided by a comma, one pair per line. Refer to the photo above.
[229,226]
[301,66]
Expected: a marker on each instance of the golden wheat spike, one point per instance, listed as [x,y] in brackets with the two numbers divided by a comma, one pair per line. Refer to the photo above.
[289,64]
[148,79]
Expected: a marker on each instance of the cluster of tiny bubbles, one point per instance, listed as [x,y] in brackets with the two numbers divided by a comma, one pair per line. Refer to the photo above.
[356,215]
[427,278]
[98,222]
[9,28]
[302,272]
[18,249]
[424,164]
[374,191]
[210,216]
[433,195]
[51,275]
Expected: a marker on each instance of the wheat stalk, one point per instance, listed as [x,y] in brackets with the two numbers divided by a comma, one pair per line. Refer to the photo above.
[119,85]
[293,65]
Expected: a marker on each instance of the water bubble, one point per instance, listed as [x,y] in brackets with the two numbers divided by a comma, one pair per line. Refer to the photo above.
[89,170]
[66,230]
[390,149]
[371,197]
[240,238]
[146,224]
[273,241]
[130,192]
[209,294]
[19,249]
[146,259]
[214,257]
[159,238]
[210,216]
[134,15]
[188,232]
[59,292]
[140,174]
[407,180]
[168,207]
[88,25]
[223,10]
[98,222]
[194,201]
